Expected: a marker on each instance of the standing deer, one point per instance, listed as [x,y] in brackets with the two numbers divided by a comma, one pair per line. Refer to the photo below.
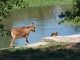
[22,32]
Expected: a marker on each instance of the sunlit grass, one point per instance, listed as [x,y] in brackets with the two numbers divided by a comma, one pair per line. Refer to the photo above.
[47,2]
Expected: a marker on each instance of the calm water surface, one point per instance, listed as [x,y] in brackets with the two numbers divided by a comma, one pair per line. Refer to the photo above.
[45,20]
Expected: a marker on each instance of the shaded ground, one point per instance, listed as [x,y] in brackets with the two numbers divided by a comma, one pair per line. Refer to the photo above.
[54,52]
[72,46]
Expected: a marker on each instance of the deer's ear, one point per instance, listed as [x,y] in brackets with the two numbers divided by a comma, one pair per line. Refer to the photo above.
[31,24]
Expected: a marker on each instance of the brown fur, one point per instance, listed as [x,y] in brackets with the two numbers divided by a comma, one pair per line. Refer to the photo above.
[22,32]
[54,34]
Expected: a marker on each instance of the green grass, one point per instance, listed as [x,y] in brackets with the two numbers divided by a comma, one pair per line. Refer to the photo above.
[74,24]
[52,51]
[47,2]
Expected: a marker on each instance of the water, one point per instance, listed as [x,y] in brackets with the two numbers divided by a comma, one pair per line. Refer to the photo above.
[45,20]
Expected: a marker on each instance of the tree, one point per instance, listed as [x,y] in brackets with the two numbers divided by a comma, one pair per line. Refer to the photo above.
[5,7]
[74,14]
[76,7]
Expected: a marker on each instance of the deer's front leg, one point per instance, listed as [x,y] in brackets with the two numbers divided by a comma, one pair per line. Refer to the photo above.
[26,42]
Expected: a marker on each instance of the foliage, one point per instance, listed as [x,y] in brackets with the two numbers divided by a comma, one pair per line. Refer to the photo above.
[66,15]
[5,7]
[76,7]
[74,14]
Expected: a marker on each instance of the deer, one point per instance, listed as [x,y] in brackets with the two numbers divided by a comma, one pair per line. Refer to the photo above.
[54,34]
[21,32]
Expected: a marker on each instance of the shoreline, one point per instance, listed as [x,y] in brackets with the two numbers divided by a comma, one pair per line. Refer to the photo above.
[47,40]
[69,38]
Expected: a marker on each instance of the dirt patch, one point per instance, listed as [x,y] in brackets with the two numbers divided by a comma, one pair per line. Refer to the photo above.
[72,46]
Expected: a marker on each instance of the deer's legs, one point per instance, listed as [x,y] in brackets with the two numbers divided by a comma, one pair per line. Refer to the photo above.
[26,42]
[12,43]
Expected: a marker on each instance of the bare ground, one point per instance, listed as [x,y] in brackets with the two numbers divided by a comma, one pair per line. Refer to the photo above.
[72,46]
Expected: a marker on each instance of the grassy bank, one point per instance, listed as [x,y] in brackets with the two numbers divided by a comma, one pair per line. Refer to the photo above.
[52,51]
[46,2]
[74,24]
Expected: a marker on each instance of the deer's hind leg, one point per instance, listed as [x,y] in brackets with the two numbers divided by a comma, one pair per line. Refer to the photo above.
[12,42]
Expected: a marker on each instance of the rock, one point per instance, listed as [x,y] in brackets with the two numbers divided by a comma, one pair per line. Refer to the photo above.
[70,38]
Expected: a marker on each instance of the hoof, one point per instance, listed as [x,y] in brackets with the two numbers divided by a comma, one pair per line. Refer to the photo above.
[12,46]
[26,44]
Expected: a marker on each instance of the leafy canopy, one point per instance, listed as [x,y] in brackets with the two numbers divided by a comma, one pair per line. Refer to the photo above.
[5,7]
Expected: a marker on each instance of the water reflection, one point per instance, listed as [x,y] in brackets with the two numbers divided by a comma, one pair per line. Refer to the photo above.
[44,18]
[57,10]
